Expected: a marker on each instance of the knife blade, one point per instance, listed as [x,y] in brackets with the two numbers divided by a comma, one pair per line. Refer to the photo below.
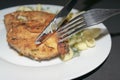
[57,21]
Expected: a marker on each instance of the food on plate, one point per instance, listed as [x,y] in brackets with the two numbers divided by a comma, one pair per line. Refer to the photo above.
[24,25]
[68,56]
[21,34]
[83,40]
[24,8]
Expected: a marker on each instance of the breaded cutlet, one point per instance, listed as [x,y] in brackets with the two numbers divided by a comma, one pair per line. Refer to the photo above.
[23,27]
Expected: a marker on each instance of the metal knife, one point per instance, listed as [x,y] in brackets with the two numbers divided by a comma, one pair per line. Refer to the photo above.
[57,21]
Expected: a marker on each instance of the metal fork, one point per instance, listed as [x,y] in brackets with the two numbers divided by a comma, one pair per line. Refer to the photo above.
[84,20]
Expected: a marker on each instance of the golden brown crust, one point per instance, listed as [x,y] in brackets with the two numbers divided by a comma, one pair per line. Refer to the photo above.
[34,21]
[21,34]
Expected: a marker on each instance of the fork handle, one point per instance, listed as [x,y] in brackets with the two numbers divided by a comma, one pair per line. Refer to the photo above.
[99,15]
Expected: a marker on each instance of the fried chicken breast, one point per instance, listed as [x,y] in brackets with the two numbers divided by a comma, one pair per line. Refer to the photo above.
[23,27]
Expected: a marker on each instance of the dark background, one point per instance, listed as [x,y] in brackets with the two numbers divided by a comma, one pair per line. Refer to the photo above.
[110,69]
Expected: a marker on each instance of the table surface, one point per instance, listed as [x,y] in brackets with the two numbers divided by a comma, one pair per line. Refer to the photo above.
[109,70]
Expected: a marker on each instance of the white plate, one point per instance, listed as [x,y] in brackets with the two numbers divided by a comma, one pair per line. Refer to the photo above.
[26,69]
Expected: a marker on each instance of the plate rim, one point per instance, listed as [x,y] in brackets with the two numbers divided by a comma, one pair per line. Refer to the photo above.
[63,64]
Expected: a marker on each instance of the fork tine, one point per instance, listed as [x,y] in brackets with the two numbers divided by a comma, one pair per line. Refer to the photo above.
[72,26]
[69,33]
[75,19]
